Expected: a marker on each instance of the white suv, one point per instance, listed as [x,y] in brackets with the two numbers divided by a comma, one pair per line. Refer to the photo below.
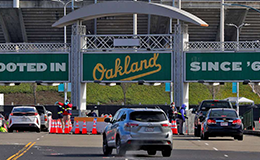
[24,118]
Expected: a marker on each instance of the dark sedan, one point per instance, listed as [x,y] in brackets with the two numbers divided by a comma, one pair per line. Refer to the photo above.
[222,122]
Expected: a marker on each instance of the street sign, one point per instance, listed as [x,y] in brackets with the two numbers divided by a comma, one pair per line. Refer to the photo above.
[222,66]
[61,87]
[127,67]
[234,87]
[44,67]
[167,87]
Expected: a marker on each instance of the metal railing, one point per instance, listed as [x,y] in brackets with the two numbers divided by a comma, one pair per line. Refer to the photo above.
[248,119]
[222,46]
[34,47]
[158,42]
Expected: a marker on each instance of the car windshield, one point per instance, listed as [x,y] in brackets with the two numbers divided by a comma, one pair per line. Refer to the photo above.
[214,104]
[148,116]
[223,113]
[24,110]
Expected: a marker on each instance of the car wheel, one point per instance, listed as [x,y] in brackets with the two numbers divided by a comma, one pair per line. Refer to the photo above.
[10,131]
[166,152]
[38,130]
[240,138]
[106,150]
[197,131]
[119,149]
[151,152]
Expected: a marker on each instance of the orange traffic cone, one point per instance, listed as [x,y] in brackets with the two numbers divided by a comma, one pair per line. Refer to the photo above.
[70,127]
[84,128]
[59,127]
[94,129]
[52,126]
[174,127]
[66,130]
[55,126]
[77,131]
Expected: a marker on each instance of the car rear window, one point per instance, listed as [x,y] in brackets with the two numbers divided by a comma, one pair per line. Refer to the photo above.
[148,116]
[214,104]
[223,113]
[24,110]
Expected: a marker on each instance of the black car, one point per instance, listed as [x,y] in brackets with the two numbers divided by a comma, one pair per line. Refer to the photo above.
[222,122]
[203,109]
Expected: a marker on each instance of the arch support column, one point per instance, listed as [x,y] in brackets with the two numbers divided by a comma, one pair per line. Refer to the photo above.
[78,89]
[181,89]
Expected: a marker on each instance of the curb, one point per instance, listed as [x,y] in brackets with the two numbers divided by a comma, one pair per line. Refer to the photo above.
[250,132]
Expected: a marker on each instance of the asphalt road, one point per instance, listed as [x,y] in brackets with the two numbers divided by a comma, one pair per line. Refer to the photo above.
[44,146]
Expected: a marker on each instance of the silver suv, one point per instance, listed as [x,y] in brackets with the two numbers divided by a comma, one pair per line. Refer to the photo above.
[138,129]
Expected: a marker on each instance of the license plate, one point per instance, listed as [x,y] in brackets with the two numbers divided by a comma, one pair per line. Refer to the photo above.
[224,123]
[24,119]
[149,129]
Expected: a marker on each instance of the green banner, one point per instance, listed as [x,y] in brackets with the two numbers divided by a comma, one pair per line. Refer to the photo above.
[34,67]
[127,67]
[222,66]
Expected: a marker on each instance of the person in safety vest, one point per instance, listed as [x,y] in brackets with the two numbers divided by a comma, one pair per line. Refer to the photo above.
[2,129]
[181,118]
[67,111]
[60,114]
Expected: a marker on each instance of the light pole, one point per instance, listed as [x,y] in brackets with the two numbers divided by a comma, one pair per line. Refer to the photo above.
[238,28]
[65,3]
[65,13]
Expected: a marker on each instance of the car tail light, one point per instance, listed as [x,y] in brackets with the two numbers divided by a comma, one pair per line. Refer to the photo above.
[37,121]
[211,121]
[169,142]
[165,125]
[45,118]
[35,114]
[11,114]
[237,121]
[129,125]
[10,121]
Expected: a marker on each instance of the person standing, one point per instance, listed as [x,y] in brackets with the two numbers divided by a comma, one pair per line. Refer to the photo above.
[181,118]
[67,111]
[172,112]
[60,114]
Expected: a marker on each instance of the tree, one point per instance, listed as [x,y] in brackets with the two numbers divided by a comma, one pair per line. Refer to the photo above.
[124,87]
[213,90]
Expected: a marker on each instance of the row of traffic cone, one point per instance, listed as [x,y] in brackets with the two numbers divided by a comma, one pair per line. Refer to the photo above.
[84,128]
[56,127]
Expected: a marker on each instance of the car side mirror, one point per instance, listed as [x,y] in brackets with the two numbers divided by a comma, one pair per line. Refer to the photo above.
[107,120]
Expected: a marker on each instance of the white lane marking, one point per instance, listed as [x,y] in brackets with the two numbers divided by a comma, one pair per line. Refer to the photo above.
[42,136]
[215,149]
[206,144]
[225,155]
[38,139]
[198,140]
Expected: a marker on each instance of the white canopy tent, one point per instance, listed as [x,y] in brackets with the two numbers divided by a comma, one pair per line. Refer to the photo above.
[240,100]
